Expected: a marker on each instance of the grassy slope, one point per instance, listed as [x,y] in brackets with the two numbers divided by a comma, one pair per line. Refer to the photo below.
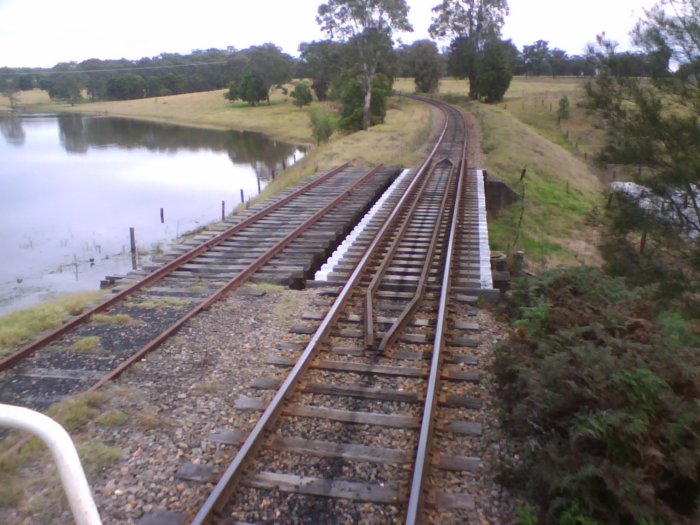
[562,187]
[560,192]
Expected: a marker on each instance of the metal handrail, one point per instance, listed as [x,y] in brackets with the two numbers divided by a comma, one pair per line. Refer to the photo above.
[65,456]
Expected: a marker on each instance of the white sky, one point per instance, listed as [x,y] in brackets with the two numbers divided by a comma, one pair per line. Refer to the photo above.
[41,33]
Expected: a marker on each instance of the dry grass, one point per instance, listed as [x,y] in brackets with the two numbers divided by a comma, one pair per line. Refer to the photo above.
[535,101]
[30,488]
[87,344]
[281,120]
[35,97]
[112,319]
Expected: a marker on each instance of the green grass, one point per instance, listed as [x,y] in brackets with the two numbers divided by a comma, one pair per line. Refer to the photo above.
[562,184]
[161,302]
[561,192]
[76,411]
[112,418]
[95,455]
[87,344]
[22,325]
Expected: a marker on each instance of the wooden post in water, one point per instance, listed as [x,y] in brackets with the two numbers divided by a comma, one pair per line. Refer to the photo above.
[132,239]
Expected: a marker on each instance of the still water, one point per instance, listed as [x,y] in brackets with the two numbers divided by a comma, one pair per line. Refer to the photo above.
[71,186]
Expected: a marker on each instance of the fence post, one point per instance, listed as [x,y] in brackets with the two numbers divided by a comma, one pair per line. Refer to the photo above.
[132,240]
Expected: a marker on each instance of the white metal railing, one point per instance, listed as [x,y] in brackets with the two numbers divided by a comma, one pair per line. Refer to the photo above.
[73,478]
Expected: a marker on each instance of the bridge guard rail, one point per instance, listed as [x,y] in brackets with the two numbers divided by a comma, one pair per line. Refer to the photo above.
[73,478]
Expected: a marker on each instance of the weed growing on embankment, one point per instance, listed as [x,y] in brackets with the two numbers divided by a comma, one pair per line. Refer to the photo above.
[600,404]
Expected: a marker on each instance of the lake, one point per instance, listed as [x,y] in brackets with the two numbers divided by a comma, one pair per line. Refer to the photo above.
[72,186]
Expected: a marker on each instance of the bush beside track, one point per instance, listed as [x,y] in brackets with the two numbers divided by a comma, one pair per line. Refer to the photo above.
[602,408]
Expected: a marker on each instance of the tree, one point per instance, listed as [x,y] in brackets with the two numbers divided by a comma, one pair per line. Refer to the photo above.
[424,64]
[250,89]
[352,115]
[367,24]
[64,83]
[473,23]
[9,87]
[269,65]
[322,62]
[653,127]
[126,87]
[536,58]
[564,111]
[302,95]
[495,72]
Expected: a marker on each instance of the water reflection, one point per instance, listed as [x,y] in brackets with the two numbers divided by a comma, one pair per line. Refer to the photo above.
[12,129]
[79,133]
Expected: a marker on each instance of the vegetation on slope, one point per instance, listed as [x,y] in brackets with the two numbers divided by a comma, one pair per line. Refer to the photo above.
[601,404]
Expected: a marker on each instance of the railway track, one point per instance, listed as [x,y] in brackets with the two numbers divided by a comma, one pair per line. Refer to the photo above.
[281,242]
[367,420]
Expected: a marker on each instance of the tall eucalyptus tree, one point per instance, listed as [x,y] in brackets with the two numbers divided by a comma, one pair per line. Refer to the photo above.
[474,23]
[367,24]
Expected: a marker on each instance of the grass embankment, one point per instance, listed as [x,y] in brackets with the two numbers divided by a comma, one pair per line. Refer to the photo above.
[562,186]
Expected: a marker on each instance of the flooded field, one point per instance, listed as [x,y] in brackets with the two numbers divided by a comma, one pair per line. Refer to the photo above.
[72,186]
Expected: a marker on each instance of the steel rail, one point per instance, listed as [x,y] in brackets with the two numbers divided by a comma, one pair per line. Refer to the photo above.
[384,265]
[421,467]
[229,480]
[161,272]
[402,320]
[233,283]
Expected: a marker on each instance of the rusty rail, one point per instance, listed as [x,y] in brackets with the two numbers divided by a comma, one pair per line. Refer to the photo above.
[393,332]
[234,283]
[423,455]
[381,270]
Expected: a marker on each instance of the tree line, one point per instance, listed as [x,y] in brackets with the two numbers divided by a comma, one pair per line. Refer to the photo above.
[328,63]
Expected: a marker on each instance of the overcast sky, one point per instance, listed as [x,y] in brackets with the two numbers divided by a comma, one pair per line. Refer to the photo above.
[41,33]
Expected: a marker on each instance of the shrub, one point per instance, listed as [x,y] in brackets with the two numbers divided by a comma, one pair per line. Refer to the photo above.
[564,111]
[601,404]
[302,95]
[322,123]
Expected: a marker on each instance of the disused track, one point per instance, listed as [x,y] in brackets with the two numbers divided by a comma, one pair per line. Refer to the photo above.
[284,241]
[347,435]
